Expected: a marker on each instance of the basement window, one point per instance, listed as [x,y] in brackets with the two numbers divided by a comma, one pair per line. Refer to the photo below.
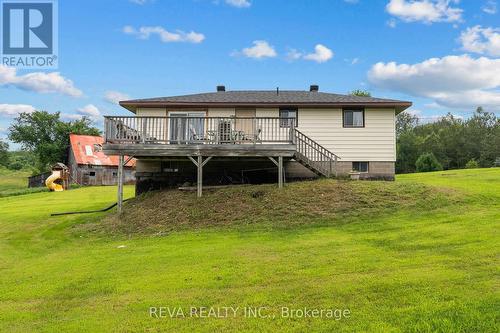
[360,166]
[353,118]
[288,117]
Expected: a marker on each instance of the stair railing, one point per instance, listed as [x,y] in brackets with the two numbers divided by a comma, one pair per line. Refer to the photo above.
[314,155]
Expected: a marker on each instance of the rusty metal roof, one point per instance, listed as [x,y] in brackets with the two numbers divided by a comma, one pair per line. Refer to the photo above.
[87,149]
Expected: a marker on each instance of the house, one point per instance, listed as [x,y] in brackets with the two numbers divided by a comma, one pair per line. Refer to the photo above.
[208,137]
[89,165]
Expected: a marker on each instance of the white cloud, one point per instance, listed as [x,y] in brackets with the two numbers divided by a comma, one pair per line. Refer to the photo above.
[260,49]
[321,54]
[71,116]
[490,7]
[414,112]
[139,2]
[15,109]
[352,61]
[433,105]
[114,97]
[424,119]
[129,30]
[427,11]
[436,117]
[239,3]
[481,40]
[451,81]
[391,23]
[89,110]
[40,82]
[293,54]
[165,36]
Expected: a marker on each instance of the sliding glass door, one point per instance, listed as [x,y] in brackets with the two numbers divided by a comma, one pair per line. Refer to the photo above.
[184,128]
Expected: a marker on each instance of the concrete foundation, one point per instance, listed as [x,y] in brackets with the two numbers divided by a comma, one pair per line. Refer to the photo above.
[376,170]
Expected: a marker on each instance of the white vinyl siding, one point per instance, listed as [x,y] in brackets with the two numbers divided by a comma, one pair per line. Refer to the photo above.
[228,112]
[267,112]
[374,142]
[151,112]
[221,112]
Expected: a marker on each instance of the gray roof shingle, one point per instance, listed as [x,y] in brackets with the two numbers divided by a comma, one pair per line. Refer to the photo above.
[259,97]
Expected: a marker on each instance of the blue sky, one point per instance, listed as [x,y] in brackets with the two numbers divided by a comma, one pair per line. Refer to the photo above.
[443,55]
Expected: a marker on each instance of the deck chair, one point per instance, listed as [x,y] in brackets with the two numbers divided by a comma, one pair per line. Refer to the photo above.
[195,136]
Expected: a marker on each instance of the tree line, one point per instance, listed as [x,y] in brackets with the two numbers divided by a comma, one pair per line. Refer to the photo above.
[448,143]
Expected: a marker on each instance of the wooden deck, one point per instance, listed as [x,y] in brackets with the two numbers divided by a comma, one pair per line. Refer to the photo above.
[177,150]
[202,138]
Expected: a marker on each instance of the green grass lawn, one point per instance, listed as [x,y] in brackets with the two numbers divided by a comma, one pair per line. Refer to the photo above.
[428,264]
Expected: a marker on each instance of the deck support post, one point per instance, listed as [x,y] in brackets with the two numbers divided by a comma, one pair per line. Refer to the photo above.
[199,181]
[199,163]
[120,184]
[280,171]
[279,164]
[335,166]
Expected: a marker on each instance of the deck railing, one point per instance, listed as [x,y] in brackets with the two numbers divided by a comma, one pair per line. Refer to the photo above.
[199,130]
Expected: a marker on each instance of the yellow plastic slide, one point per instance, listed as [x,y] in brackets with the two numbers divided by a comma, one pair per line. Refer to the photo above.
[50,182]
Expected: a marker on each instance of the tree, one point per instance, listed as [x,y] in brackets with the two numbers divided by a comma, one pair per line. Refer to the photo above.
[47,136]
[472,164]
[405,122]
[361,93]
[22,160]
[428,162]
[452,140]
[4,153]
[482,137]
[407,150]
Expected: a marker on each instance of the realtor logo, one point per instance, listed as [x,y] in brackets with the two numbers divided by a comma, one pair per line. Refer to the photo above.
[29,33]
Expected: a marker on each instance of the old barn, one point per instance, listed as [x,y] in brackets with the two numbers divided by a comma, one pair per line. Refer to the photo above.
[90,166]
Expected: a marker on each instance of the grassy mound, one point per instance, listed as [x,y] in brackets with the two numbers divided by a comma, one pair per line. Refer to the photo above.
[321,201]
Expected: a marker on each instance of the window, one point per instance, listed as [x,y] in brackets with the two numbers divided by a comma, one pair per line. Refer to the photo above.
[88,150]
[354,118]
[92,173]
[287,117]
[360,166]
[115,174]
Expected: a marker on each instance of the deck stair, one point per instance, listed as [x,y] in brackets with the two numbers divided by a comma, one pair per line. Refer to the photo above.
[314,156]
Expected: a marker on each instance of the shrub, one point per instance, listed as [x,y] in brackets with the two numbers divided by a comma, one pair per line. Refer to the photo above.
[428,162]
[472,164]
